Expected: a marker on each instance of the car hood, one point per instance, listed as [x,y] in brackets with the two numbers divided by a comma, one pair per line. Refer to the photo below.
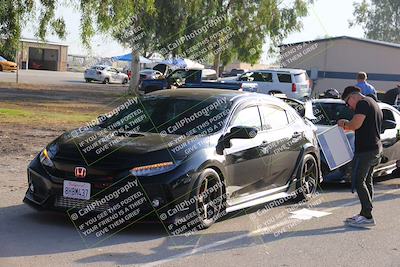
[113,152]
[8,63]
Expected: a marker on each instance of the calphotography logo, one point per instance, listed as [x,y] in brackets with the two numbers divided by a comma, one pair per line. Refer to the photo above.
[80,172]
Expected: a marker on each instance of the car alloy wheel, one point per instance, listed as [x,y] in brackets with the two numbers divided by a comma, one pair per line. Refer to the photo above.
[210,198]
[106,81]
[308,178]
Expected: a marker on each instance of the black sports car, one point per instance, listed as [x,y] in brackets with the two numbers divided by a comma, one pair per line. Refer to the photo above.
[178,154]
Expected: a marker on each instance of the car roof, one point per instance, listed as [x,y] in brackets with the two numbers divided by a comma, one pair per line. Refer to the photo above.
[339,101]
[294,71]
[205,93]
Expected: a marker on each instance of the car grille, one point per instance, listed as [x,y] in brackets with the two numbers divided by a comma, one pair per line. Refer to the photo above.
[63,202]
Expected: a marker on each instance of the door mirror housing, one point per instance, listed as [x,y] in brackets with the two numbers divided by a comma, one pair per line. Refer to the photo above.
[241,132]
[388,124]
[238,132]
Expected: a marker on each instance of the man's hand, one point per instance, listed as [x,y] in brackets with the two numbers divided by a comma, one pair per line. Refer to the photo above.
[341,123]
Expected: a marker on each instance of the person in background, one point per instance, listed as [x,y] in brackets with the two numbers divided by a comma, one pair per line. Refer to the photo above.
[366,88]
[366,123]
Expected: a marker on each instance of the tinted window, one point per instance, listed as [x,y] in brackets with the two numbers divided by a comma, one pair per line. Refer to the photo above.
[388,115]
[330,113]
[284,78]
[301,77]
[274,117]
[256,77]
[249,117]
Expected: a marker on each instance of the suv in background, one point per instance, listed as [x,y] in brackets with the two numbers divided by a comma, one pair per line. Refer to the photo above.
[294,83]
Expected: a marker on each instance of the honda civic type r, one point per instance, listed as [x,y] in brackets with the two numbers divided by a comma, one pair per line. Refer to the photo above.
[199,151]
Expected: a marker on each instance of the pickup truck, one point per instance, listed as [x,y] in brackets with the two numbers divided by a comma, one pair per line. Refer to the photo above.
[192,78]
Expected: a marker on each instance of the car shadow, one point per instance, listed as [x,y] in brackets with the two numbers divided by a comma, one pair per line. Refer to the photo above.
[28,232]
[205,243]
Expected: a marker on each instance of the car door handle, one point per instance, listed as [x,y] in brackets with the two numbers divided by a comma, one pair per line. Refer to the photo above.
[296,134]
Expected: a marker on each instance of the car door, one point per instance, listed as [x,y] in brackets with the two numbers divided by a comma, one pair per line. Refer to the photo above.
[282,143]
[244,164]
[113,75]
[391,146]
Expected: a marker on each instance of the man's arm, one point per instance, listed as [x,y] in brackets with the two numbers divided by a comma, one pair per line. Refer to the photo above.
[354,124]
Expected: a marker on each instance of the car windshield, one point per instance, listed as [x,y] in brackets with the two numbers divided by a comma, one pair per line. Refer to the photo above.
[171,115]
[2,59]
[330,113]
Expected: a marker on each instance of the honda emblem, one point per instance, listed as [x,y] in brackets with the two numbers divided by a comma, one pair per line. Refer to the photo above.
[80,172]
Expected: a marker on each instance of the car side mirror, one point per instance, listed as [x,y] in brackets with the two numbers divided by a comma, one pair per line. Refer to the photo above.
[238,132]
[241,132]
[388,124]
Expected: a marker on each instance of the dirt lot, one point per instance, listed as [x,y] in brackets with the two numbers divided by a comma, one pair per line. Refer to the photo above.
[31,117]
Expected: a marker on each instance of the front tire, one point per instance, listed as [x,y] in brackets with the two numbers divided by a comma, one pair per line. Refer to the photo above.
[307,179]
[106,81]
[210,198]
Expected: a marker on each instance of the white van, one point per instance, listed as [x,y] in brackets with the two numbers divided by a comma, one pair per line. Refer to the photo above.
[294,83]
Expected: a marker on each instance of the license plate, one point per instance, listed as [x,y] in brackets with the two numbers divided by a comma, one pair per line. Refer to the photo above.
[78,190]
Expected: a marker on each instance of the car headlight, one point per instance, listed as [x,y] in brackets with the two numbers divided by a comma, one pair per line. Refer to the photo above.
[153,169]
[45,158]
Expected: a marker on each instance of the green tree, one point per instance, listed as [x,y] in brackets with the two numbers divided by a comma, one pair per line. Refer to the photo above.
[380,19]
[15,14]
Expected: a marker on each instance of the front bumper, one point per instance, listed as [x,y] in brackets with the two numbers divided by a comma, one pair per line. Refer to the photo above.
[168,190]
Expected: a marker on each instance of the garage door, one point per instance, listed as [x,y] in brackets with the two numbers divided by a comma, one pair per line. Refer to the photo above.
[43,59]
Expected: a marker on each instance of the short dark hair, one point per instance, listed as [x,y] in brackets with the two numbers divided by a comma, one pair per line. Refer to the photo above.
[350,90]
[362,75]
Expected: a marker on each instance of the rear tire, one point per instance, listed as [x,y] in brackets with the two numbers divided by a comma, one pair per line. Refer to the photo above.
[125,81]
[106,81]
[307,179]
[1,68]
[88,80]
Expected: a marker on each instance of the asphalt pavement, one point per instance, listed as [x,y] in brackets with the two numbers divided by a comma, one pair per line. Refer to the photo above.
[281,236]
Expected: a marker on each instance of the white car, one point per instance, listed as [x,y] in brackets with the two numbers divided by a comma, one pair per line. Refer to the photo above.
[105,74]
[150,74]
[294,83]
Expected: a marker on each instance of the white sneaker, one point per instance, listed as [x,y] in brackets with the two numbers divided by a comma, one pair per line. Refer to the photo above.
[352,219]
[362,222]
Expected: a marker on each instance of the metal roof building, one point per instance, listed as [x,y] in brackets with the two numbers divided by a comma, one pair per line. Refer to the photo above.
[334,62]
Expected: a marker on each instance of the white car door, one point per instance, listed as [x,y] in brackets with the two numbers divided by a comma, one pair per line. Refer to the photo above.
[114,75]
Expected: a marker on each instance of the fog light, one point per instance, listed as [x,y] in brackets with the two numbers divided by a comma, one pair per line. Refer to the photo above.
[32,188]
[155,203]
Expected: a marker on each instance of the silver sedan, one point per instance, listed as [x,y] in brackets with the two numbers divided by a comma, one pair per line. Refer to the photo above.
[105,74]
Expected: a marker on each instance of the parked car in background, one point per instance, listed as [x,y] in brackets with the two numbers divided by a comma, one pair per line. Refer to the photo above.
[105,74]
[242,148]
[192,78]
[328,111]
[150,74]
[233,73]
[7,65]
[294,83]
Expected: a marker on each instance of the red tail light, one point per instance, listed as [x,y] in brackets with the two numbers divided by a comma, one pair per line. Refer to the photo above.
[294,88]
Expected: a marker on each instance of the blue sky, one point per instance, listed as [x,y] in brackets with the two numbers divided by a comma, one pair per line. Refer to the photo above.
[326,18]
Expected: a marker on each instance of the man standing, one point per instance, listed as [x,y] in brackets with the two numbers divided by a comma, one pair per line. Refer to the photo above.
[366,88]
[366,123]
